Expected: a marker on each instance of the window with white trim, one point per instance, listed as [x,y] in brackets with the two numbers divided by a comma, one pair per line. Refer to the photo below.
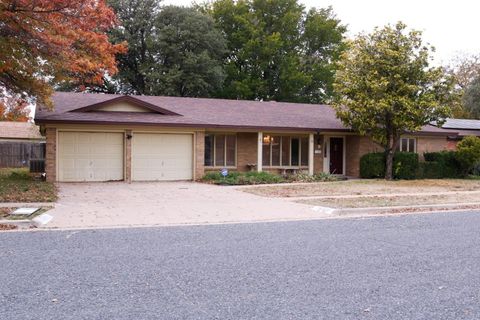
[284,151]
[407,145]
[220,150]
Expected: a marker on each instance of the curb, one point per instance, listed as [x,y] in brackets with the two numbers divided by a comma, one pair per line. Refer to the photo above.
[26,204]
[406,209]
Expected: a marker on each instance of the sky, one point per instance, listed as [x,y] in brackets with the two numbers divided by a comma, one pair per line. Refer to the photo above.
[450,26]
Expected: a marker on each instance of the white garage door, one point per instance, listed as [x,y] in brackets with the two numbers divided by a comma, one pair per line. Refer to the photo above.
[162,156]
[90,156]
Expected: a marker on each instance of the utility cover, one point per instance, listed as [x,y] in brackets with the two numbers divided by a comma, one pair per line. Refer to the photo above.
[24,211]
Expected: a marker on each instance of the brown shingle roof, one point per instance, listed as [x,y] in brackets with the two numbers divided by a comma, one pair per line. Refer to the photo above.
[19,130]
[200,112]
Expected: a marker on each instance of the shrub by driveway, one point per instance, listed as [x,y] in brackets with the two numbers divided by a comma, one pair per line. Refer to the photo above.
[247,178]
[17,185]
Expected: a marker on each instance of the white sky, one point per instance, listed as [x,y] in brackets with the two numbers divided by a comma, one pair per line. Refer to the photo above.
[450,26]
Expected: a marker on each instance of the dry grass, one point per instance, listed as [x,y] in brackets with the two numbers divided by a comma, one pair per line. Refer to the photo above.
[365,187]
[17,185]
[389,201]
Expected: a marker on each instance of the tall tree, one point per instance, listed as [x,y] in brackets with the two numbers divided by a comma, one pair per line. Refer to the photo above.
[277,50]
[172,50]
[466,70]
[44,42]
[386,88]
[471,98]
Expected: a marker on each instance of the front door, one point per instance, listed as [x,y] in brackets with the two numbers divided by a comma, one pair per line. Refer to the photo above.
[336,155]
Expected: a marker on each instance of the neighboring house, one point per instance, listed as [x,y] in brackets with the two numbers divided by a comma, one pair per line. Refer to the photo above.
[100,137]
[20,142]
[463,127]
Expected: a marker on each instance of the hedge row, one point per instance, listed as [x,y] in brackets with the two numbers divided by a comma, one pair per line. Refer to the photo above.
[437,165]
[405,165]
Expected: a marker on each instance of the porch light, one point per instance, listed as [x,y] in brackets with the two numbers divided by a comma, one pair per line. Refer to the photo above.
[267,139]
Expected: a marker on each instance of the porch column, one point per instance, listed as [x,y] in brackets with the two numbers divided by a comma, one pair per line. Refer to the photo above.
[311,141]
[259,151]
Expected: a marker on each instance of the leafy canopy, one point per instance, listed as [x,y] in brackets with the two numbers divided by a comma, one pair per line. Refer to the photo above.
[386,88]
[49,41]
[277,50]
[172,50]
[465,69]
[468,152]
[471,98]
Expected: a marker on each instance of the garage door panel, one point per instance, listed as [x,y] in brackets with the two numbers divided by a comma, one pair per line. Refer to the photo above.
[90,156]
[162,157]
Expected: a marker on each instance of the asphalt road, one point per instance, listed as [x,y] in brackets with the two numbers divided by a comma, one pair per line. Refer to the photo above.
[409,267]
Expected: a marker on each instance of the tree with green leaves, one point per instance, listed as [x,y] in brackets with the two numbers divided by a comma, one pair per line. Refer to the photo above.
[385,87]
[465,69]
[471,99]
[277,50]
[173,50]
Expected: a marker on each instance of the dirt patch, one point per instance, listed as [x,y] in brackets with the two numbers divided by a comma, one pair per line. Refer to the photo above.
[5,227]
[4,212]
[365,187]
[391,201]
[17,185]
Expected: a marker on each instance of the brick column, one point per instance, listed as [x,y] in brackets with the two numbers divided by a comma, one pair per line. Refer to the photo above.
[51,154]
[128,156]
[199,150]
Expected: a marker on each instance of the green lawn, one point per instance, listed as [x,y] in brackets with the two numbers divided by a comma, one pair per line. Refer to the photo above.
[17,185]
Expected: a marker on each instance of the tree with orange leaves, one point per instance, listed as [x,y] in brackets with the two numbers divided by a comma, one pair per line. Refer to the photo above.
[44,42]
[12,109]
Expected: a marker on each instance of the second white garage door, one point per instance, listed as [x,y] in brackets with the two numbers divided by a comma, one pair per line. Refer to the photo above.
[162,157]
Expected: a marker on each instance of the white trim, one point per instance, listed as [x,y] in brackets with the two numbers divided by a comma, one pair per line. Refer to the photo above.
[259,151]
[310,154]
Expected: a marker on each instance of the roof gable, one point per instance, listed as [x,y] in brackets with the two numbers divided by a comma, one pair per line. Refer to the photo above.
[125,104]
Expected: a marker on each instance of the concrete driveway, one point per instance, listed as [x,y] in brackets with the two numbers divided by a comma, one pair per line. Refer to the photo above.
[85,205]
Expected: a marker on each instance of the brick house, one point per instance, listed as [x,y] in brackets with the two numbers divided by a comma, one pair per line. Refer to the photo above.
[101,137]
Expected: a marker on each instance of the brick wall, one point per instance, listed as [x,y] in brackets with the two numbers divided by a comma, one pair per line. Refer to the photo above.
[199,149]
[431,144]
[128,157]
[246,150]
[356,147]
[51,154]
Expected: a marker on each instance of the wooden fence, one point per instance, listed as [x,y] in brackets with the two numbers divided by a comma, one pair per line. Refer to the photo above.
[18,154]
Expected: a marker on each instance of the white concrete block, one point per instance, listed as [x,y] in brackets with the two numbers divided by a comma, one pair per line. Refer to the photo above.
[42,219]
[326,210]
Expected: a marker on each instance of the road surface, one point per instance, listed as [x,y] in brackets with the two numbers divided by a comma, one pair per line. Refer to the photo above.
[404,267]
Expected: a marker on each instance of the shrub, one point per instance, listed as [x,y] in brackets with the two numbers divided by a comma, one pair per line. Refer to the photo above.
[405,165]
[318,177]
[468,153]
[430,170]
[443,164]
[372,165]
[237,178]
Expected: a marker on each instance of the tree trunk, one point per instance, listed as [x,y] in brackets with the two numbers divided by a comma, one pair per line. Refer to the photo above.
[389,165]
[390,153]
